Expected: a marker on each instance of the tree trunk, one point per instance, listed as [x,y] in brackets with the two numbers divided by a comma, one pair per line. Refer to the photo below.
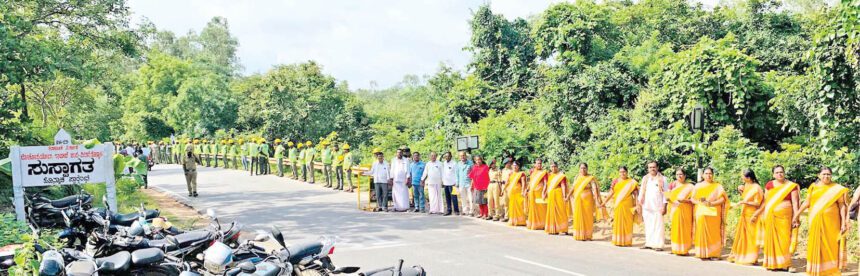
[24,113]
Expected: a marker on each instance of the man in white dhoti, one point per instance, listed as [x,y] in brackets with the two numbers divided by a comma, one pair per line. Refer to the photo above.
[653,205]
[400,176]
[432,179]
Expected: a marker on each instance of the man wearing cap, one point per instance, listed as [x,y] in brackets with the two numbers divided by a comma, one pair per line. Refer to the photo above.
[215,150]
[293,156]
[381,173]
[279,156]
[347,166]
[310,154]
[225,148]
[326,157]
[263,158]
[338,167]
[301,161]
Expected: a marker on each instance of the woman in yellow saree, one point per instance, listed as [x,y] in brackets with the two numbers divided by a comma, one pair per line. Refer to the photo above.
[534,195]
[624,190]
[557,206]
[681,214]
[780,237]
[711,207]
[745,246]
[516,202]
[828,224]
[584,198]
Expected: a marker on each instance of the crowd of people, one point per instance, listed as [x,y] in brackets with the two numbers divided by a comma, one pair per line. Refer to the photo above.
[546,199]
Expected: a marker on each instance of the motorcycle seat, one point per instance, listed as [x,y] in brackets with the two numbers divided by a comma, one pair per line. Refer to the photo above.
[302,250]
[118,262]
[68,201]
[146,256]
[128,219]
[184,240]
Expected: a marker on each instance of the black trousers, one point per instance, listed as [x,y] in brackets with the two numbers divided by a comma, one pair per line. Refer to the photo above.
[451,200]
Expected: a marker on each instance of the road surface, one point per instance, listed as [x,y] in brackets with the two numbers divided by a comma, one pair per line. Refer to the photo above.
[442,245]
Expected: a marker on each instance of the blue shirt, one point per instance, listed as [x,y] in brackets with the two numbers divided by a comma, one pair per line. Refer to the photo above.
[417,169]
[462,170]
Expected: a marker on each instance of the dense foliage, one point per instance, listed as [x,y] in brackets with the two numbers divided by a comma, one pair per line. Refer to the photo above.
[610,83]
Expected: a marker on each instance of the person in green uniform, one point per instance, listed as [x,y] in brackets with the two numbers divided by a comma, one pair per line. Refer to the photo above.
[223,152]
[338,167]
[302,161]
[326,158]
[232,151]
[279,156]
[138,164]
[216,151]
[310,155]
[347,166]
[263,163]
[253,149]
[203,148]
[196,150]
[243,153]
[293,156]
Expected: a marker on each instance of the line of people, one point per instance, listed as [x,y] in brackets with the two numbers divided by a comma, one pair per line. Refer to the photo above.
[547,200]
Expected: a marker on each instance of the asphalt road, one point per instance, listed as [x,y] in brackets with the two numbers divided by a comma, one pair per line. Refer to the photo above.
[442,245]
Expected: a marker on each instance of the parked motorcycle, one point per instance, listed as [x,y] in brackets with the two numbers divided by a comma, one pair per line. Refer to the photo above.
[396,270]
[44,212]
[310,258]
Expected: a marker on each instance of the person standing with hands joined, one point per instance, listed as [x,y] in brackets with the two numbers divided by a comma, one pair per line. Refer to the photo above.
[828,224]
[711,207]
[400,178]
[432,179]
[449,183]
[381,173]
[652,204]
[480,175]
[535,204]
[310,155]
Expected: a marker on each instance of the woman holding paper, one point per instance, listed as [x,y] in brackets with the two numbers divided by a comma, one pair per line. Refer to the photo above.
[681,214]
[624,190]
[534,193]
[584,197]
[780,238]
[557,206]
[828,224]
[745,246]
[711,207]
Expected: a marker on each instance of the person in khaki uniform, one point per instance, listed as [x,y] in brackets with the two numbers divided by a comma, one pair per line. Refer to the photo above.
[189,165]
[310,155]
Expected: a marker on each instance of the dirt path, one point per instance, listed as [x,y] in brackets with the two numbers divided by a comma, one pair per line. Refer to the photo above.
[180,215]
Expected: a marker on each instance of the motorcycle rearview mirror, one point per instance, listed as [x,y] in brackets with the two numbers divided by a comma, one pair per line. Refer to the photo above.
[210,213]
[276,233]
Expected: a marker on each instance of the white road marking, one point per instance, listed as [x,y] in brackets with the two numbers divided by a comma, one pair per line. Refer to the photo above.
[544,266]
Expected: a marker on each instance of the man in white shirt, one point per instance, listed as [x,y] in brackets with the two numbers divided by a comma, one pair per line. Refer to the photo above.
[381,173]
[449,179]
[432,179]
[400,176]
[653,205]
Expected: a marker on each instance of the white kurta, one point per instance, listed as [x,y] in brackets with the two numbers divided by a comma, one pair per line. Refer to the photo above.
[433,181]
[651,215]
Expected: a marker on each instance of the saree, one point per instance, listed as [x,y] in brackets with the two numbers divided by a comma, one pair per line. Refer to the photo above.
[536,204]
[622,225]
[709,235]
[681,218]
[825,245]
[514,191]
[780,239]
[583,208]
[556,207]
[745,245]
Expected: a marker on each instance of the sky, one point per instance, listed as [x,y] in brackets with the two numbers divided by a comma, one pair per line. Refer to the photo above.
[356,41]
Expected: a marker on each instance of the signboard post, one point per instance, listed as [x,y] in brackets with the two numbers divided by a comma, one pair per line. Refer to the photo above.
[62,164]
[467,143]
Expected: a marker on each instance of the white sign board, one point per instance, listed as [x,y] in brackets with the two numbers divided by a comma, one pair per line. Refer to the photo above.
[62,138]
[61,165]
